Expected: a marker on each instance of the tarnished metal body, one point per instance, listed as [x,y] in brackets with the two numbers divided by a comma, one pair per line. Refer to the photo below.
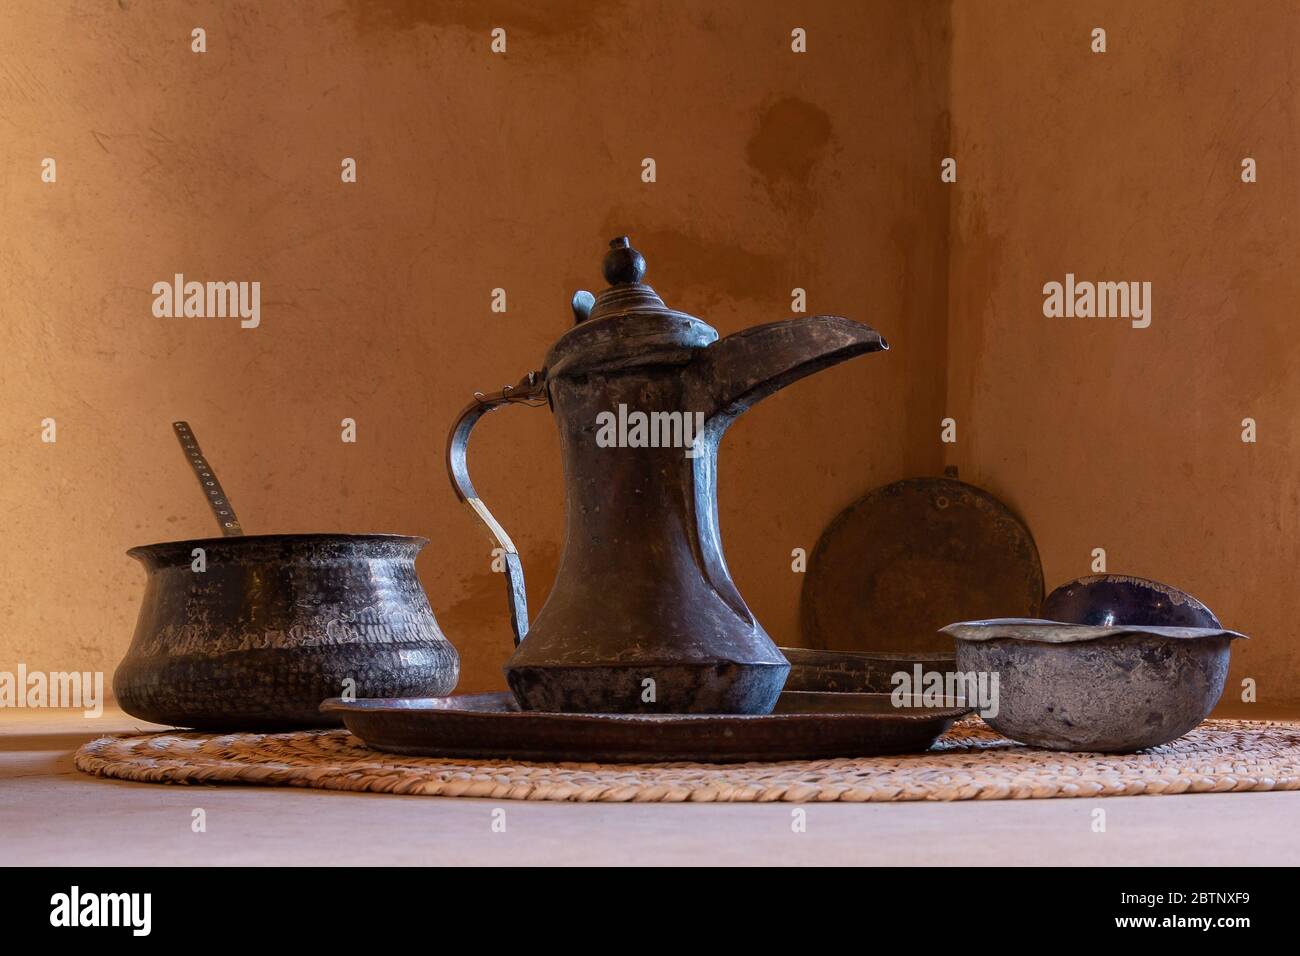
[1110,689]
[643,615]
[274,624]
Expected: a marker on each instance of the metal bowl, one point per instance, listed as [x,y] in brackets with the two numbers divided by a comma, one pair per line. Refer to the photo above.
[271,625]
[1109,599]
[1091,688]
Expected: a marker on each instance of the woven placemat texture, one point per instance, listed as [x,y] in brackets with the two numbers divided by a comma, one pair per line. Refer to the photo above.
[970,762]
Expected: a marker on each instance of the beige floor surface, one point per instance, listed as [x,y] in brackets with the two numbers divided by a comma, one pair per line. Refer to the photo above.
[52,814]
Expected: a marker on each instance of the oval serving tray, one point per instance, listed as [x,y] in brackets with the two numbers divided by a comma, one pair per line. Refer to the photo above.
[473,726]
[858,672]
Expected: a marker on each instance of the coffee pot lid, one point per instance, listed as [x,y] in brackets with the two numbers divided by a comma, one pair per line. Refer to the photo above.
[627,325]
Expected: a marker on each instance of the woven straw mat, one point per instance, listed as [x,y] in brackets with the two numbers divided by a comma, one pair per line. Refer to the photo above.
[970,762]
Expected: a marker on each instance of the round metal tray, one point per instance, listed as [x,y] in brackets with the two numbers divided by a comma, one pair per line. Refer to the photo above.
[805,727]
[908,558]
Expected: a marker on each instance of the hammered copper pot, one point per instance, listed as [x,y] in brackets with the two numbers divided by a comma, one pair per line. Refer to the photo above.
[274,624]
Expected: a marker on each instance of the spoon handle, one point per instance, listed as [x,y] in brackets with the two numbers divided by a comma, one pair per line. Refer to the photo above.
[222,510]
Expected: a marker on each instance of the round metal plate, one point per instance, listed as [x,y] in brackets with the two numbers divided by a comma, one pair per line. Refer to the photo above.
[912,557]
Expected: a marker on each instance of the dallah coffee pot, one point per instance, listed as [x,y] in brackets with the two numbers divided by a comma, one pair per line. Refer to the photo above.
[643,614]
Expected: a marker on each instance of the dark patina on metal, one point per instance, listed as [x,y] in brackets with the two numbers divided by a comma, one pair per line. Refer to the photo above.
[253,632]
[805,727]
[274,625]
[1108,599]
[910,557]
[1111,689]
[1120,663]
[643,615]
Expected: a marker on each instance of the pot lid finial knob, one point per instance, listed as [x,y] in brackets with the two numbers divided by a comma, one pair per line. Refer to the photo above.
[623,264]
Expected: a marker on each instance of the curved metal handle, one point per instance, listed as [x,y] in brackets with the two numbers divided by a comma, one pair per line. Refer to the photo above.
[531,390]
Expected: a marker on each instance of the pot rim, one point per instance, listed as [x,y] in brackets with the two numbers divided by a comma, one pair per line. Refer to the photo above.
[1040,631]
[303,537]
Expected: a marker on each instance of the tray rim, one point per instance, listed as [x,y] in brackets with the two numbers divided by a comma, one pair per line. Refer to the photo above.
[391,705]
[828,656]
[393,726]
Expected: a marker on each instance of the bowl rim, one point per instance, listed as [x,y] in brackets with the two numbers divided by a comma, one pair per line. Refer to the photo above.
[1042,631]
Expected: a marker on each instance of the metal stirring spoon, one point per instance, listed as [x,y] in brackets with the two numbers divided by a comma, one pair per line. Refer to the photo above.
[222,510]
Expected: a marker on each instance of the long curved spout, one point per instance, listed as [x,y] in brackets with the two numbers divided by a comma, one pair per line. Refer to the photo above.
[749,365]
